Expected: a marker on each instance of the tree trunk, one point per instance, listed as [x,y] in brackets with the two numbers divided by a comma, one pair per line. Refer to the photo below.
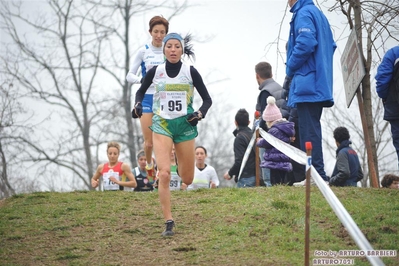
[366,91]
[5,188]
[127,93]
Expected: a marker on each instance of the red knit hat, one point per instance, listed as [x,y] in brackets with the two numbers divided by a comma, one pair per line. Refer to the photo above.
[272,112]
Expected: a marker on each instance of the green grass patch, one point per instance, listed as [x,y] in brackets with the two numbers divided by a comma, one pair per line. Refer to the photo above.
[260,226]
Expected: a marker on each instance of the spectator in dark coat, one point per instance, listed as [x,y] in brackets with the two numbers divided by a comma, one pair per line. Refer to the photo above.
[347,171]
[279,127]
[243,136]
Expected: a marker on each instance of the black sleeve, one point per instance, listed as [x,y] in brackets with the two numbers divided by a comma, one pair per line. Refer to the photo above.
[240,146]
[202,90]
[359,174]
[343,170]
[145,84]
[263,103]
[262,125]
[263,100]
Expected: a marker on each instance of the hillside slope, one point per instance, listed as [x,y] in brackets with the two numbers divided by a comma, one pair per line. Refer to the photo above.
[260,226]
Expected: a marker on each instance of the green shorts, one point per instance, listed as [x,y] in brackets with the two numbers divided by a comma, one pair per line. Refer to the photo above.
[177,129]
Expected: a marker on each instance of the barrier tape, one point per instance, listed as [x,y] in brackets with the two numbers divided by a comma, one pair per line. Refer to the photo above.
[342,214]
[246,154]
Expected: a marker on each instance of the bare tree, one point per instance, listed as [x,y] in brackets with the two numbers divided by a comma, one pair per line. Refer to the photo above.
[55,57]
[10,107]
[58,57]
[374,22]
[15,127]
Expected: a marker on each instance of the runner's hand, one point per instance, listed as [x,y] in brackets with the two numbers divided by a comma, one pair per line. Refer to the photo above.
[137,111]
[194,118]
[94,183]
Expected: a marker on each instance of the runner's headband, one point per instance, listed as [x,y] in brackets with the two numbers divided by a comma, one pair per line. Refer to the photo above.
[174,36]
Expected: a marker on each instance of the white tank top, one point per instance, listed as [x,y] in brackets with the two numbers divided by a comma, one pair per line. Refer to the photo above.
[173,97]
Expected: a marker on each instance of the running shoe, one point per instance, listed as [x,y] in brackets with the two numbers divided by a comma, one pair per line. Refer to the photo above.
[150,173]
[169,228]
[312,183]
[303,183]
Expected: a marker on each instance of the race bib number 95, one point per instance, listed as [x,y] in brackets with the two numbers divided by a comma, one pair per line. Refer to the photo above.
[173,104]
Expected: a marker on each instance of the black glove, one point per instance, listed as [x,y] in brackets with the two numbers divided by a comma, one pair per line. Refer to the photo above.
[287,84]
[137,110]
[194,118]
[334,181]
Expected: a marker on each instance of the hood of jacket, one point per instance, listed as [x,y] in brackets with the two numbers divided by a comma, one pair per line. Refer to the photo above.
[299,4]
[285,127]
[343,144]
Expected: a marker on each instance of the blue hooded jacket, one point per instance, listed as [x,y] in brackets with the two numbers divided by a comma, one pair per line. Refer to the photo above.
[386,87]
[310,56]
[347,170]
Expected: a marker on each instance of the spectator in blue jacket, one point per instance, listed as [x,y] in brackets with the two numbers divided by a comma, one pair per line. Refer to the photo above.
[310,66]
[347,171]
[388,90]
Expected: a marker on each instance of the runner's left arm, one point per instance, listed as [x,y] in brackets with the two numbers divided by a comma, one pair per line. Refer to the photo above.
[128,173]
[202,90]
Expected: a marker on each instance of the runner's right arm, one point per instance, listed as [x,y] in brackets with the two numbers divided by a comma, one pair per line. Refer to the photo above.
[132,76]
[145,85]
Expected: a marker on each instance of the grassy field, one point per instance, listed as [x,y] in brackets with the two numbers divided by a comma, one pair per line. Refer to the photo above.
[260,226]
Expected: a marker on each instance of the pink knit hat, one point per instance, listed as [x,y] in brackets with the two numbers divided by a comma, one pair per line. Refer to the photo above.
[271,112]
